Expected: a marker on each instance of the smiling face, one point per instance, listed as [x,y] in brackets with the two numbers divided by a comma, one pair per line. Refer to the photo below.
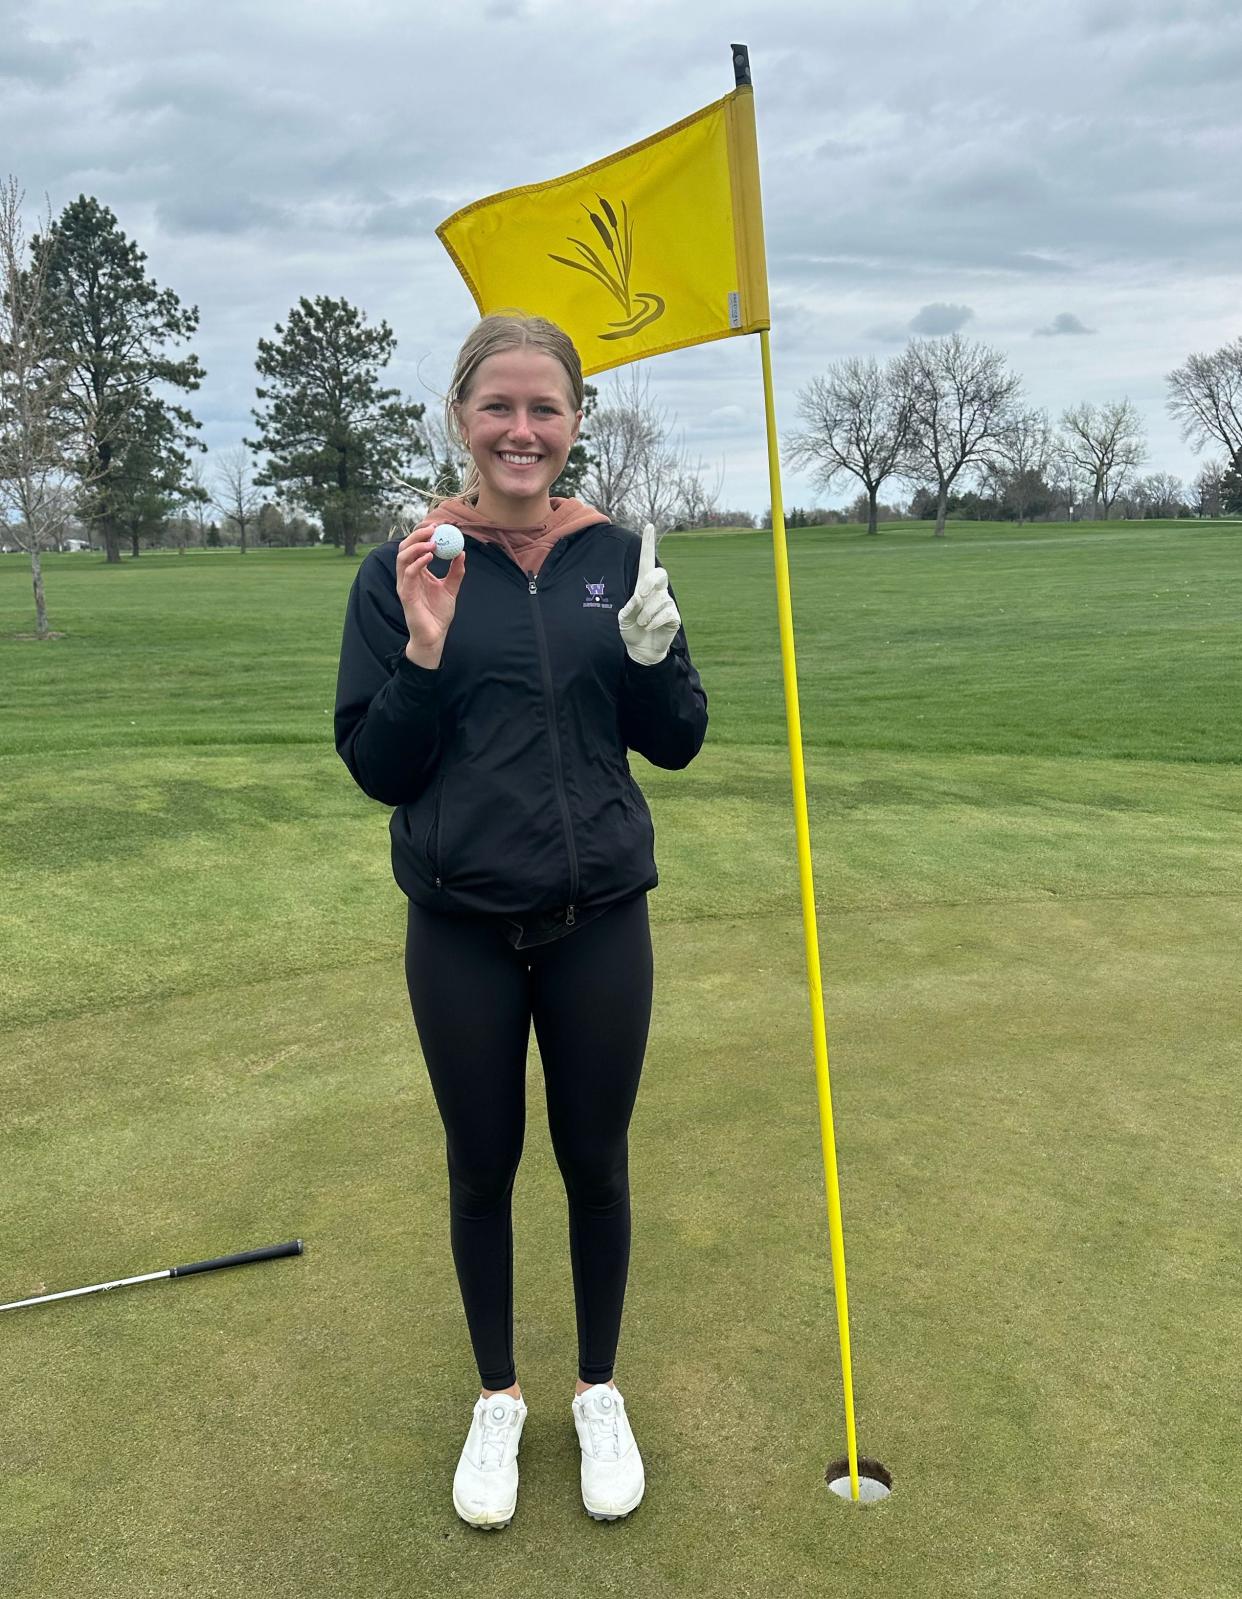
[518,405]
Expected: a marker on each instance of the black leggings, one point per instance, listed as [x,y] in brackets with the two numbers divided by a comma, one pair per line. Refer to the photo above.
[474,997]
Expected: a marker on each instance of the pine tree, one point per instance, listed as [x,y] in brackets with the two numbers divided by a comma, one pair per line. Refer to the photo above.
[336,441]
[112,323]
[150,476]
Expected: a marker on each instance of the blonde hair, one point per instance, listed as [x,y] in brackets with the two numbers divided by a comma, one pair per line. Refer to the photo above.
[504,330]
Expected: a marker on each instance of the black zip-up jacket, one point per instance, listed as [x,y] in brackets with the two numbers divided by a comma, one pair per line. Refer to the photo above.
[507,763]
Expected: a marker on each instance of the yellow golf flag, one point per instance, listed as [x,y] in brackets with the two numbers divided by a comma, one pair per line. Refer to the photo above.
[651,249]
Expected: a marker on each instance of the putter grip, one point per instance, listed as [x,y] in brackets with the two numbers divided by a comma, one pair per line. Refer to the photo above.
[270,1253]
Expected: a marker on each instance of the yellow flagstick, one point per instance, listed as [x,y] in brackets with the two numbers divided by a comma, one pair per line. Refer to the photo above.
[784,606]
[823,1084]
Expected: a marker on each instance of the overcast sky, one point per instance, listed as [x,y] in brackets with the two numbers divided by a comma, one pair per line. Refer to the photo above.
[1060,181]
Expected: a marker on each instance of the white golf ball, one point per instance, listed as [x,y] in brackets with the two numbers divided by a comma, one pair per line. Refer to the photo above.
[447,541]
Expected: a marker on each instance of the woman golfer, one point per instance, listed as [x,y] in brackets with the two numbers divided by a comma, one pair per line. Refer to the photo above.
[491,700]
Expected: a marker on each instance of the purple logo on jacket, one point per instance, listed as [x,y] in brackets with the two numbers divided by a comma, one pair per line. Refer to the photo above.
[595,600]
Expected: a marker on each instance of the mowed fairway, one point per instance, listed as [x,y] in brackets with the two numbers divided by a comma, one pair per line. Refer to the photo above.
[1026,808]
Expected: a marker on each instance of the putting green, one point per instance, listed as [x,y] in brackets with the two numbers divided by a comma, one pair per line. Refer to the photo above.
[1029,961]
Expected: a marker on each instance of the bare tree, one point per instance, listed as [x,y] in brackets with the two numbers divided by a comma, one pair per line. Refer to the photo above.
[962,399]
[1160,494]
[858,423]
[1207,488]
[1021,460]
[1206,398]
[669,492]
[696,505]
[649,478]
[1106,445]
[191,525]
[37,444]
[664,488]
[1065,480]
[448,464]
[655,491]
[625,435]
[859,509]
[235,495]
[1157,495]
[180,531]
[64,516]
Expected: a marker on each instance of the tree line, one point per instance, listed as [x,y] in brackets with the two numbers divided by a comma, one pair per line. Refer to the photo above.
[945,412]
[1157,495]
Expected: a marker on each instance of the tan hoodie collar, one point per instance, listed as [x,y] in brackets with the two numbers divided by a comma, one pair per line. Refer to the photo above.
[568,516]
[527,547]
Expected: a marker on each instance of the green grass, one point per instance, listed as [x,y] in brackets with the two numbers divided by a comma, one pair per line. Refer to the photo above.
[1023,770]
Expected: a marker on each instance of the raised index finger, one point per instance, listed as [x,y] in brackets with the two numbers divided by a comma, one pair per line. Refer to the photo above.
[646,555]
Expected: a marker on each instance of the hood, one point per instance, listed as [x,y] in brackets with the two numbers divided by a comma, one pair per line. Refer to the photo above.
[528,546]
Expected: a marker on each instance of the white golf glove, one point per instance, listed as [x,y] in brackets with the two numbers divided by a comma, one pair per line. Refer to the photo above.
[649,619]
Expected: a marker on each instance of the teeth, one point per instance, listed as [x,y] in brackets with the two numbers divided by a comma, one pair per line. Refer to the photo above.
[520,459]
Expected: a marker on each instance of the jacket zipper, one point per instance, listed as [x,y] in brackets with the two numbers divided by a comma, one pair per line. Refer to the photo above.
[546,667]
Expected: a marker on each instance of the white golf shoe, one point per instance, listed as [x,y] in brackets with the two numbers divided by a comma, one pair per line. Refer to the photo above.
[612,1468]
[486,1481]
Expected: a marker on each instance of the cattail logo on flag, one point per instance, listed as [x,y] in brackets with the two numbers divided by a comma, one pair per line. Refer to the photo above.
[622,252]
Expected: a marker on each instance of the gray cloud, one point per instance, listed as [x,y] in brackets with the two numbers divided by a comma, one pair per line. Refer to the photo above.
[939,318]
[1203,62]
[1030,261]
[220,212]
[838,149]
[1146,17]
[727,419]
[893,262]
[1064,322]
[41,63]
[407,219]
[931,322]
[993,183]
[320,158]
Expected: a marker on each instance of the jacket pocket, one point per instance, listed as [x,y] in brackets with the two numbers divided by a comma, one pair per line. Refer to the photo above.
[431,844]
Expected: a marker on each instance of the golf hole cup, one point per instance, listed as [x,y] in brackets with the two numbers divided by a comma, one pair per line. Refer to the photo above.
[447,541]
[874,1482]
